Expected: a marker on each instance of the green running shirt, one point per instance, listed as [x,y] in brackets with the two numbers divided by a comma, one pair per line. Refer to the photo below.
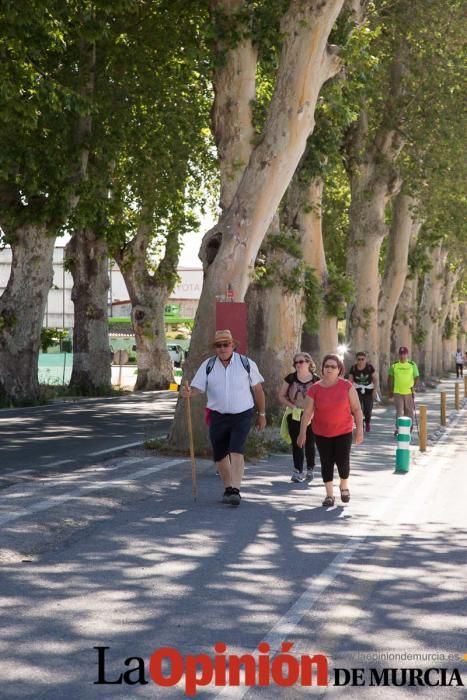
[404,375]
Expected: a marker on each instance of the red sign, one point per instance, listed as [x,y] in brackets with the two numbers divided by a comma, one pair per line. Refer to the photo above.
[233,316]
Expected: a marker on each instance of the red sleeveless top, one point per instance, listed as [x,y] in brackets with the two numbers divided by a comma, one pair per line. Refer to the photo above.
[332,414]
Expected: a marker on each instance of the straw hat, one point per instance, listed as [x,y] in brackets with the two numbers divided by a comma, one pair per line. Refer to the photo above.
[223,337]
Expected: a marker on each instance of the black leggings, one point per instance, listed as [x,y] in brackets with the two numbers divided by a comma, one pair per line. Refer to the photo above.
[298,452]
[334,451]
[366,402]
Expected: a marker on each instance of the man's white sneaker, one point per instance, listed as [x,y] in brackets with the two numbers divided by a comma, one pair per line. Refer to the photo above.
[297,476]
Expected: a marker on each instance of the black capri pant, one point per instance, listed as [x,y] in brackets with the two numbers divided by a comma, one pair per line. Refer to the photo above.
[334,451]
[297,452]
[366,402]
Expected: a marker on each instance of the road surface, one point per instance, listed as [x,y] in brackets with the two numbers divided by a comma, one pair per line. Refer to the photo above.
[119,555]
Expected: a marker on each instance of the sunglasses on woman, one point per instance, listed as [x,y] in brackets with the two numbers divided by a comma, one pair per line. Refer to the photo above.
[330,366]
[301,362]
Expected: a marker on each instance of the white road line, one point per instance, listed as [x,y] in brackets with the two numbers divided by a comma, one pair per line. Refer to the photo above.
[114,449]
[21,471]
[52,501]
[286,625]
[53,464]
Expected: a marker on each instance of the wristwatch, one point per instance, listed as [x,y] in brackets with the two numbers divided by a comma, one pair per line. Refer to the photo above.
[261,414]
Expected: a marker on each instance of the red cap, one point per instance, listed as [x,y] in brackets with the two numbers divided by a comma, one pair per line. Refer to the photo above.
[403,350]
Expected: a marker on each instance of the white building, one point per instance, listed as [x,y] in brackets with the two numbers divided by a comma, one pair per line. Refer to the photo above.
[59,310]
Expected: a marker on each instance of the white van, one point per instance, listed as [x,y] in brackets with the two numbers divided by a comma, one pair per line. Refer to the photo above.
[176,353]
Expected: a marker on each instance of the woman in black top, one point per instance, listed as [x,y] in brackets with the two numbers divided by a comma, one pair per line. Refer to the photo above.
[364,378]
[292,394]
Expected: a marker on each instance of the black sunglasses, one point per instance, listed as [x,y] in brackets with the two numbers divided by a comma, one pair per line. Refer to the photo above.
[301,362]
[222,345]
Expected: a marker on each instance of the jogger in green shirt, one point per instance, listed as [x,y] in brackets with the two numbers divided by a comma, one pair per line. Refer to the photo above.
[403,377]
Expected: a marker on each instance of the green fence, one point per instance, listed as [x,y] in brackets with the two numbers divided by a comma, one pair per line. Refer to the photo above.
[55,367]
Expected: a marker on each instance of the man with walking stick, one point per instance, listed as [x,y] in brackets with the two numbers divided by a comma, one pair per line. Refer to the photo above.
[403,378]
[230,381]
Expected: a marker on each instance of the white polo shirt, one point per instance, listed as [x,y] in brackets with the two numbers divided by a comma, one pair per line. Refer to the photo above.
[228,388]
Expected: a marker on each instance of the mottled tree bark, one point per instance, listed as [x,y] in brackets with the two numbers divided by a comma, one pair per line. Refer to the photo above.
[430,310]
[235,92]
[403,231]
[310,218]
[275,317]
[22,307]
[450,342]
[23,302]
[87,260]
[229,249]
[451,278]
[374,181]
[148,296]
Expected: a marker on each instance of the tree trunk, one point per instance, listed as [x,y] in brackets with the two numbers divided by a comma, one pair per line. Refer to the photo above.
[229,249]
[22,307]
[311,222]
[435,348]
[23,302]
[148,296]
[273,331]
[449,342]
[275,318]
[451,278]
[86,256]
[462,329]
[373,182]
[404,322]
[403,231]
[235,93]
[429,310]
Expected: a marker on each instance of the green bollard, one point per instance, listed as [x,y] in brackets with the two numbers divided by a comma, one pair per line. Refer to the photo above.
[403,445]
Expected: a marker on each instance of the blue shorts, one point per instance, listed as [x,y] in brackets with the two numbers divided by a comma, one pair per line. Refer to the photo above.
[228,432]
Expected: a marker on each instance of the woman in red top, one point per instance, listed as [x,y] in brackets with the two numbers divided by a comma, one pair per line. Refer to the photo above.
[330,404]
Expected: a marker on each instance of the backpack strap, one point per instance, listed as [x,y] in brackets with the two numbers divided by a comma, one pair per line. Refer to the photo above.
[209,367]
[246,365]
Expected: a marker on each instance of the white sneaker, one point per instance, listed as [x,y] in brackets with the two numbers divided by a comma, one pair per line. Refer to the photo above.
[297,476]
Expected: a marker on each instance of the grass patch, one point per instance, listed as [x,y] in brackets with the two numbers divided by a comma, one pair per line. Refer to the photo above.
[258,446]
[161,445]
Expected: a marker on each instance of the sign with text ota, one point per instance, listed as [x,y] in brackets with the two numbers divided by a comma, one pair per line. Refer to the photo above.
[190,285]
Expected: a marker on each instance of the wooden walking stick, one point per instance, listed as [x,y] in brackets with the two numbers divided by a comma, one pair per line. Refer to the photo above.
[190,438]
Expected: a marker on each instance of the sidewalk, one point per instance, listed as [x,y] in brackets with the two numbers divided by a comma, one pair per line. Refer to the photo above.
[370,462]
[120,555]
[384,420]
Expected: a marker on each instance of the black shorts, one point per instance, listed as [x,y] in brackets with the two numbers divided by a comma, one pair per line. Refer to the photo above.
[228,432]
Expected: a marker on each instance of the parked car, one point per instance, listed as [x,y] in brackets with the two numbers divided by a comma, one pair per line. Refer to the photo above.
[176,353]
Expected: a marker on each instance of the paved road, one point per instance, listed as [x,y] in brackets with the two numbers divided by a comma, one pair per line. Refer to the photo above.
[61,436]
[118,554]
